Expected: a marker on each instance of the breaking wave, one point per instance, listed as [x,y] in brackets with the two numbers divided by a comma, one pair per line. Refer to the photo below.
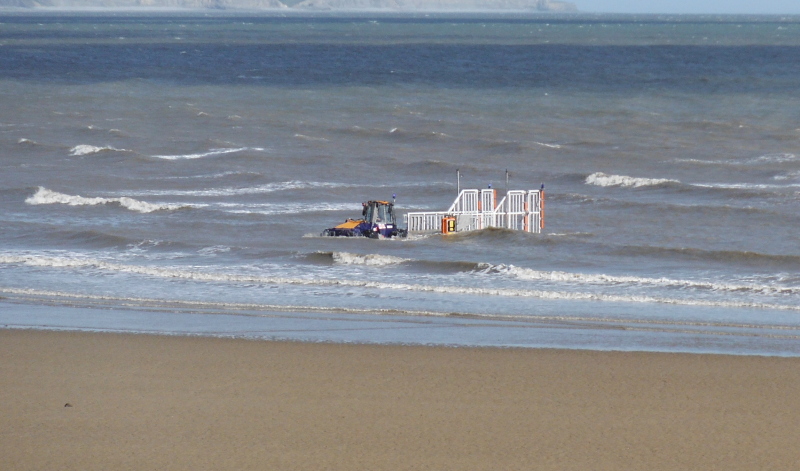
[285,208]
[529,274]
[345,258]
[602,179]
[250,190]
[746,186]
[46,196]
[85,149]
[787,176]
[209,176]
[778,158]
[773,159]
[270,188]
[197,274]
[424,266]
[210,153]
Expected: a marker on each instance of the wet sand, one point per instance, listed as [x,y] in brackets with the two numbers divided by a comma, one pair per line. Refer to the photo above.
[143,402]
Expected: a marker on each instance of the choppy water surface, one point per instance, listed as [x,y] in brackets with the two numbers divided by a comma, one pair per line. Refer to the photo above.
[171,174]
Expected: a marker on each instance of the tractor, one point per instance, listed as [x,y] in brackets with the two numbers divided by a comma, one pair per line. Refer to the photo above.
[377,222]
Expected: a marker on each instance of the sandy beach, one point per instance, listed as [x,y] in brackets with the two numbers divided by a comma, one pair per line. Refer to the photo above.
[144,402]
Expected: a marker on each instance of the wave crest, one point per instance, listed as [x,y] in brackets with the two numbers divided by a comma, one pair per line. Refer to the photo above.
[47,196]
[345,258]
[210,153]
[529,274]
[193,274]
[602,179]
[85,149]
[250,190]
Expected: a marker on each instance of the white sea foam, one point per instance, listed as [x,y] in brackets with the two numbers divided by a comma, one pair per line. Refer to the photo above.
[310,138]
[205,176]
[611,280]
[213,250]
[787,176]
[774,158]
[274,187]
[180,303]
[47,196]
[286,208]
[198,275]
[762,159]
[85,149]
[241,309]
[602,179]
[345,258]
[251,190]
[746,186]
[702,162]
[210,153]
[28,142]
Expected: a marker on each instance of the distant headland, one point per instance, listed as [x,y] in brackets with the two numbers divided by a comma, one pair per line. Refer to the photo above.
[308,5]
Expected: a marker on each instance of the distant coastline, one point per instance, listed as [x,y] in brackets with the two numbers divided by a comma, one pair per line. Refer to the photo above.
[300,5]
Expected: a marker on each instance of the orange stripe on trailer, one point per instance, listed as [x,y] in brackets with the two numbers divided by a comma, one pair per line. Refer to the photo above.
[541,219]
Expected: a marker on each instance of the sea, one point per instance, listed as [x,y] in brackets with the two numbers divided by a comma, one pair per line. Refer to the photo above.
[171,173]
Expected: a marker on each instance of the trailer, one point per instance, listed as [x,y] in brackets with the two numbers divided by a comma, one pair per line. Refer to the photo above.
[474,209]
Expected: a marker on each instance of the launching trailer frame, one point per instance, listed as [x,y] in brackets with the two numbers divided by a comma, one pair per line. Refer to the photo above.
[479,209]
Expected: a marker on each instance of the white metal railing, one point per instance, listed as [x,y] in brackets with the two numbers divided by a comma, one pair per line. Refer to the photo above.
[424,222]
[477,209]
[467,202]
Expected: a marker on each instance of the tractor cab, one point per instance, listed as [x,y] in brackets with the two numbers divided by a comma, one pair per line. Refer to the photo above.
[378,212]
[377,221]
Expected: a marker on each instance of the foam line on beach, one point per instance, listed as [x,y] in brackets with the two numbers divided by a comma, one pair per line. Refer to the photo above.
[263,310]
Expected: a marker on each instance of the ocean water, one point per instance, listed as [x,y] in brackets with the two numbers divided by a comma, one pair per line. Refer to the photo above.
[171,173]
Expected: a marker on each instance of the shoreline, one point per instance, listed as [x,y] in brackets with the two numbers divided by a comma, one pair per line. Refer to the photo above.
[399,344]
[270,323]
[174,402]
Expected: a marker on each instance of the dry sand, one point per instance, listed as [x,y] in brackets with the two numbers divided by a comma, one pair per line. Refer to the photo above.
[153,403]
